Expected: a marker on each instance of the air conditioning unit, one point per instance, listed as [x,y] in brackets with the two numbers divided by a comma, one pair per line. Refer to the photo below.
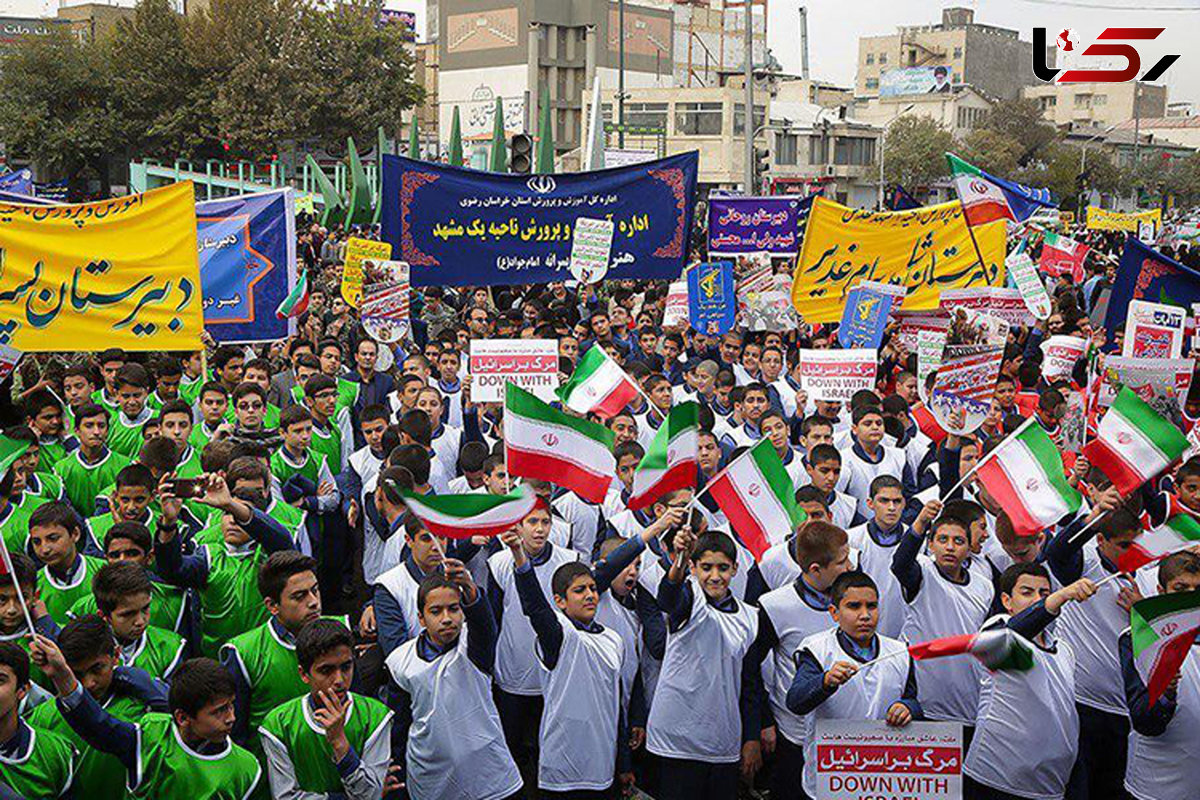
[830,171]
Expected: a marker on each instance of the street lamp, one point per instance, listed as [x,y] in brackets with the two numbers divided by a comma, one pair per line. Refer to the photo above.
[883,141]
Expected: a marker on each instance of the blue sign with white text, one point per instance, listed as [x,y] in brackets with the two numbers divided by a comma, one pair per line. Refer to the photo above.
[462,227]
[712,297]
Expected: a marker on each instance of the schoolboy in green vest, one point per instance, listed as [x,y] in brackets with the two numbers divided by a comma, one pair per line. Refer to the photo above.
[124,596]
[78,383]
[129,501]
[168,373]
[186,753]
[224,574]
[258,371]
[175,423]
[44,414]
[333,431]
[56,536]
[125,434]
[328,741]
[36,762]
[297,455]
[213,404]
[192,378]
[95,659]
[91,469]
[110,362]
[262,661]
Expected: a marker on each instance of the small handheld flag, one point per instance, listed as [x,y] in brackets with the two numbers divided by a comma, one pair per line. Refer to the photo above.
[461,516]
[757,495]
[1163,629]
[671,461]
[1134,443]
[598,386]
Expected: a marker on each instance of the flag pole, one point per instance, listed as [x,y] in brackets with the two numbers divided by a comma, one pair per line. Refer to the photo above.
[1086,528]
[877,659]
[966,222]
[981,461]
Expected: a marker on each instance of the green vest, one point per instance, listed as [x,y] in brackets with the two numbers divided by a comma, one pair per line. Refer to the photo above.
[329,444]
[283,468]
[126,439]
[270,667]
[59,597]
[46,771]
[99,525]
[189,388]
[347,393]
[14,527]
[293,727]
[84,483]
[48,484]
[166,607]
[97,774]
[230,602]
[111,406]
[200,436]
[169,769]
[49,454]
[191,467]
[158,653]
[290,517]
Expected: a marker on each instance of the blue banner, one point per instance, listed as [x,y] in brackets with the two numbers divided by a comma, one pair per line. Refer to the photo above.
[712,297]
[460,227]
[865,317]
[19,182]
[247,251]
[1146,274]
[739,225]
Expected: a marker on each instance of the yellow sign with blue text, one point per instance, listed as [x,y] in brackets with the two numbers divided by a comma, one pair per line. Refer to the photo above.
[924,249]
[117,273]
[1100,219]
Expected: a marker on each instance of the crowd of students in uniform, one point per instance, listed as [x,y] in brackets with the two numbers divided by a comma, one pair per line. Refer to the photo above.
[230,599]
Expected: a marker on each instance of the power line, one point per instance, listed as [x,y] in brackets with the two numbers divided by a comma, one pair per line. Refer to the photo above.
[1103,7]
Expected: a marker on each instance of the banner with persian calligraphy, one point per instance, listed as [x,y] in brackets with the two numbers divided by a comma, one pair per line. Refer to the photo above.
[925,250]
[247,248]
[750,224]
[461,227]
[1099,219]
[117,273]
[835,375]
[531,364]
[861,759]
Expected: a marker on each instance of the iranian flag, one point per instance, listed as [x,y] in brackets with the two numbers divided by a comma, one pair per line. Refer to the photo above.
[1134,443]
[671,461]
[1062,256]
[998,649]
[598,386]
[296,303]
[1180,531]
[986,198]
[757,495]
[1163,629]
[546,444]
[1024,475]
[461,516]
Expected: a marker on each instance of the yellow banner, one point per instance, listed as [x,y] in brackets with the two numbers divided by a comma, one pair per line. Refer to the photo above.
[925,249]
[352,271]
[1098,219]
[118,273]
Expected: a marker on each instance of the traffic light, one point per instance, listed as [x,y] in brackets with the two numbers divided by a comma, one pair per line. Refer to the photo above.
[762,164]
[521,162]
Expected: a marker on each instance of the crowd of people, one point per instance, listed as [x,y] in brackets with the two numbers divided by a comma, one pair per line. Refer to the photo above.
[215,588]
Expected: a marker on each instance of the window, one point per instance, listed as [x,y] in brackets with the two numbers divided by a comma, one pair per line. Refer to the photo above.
[969,117]
[787,147]
[651,115]
[883,58]
[1083,101]
[870,58]
[958,52]
[1100,100]
[607,113]
[872,83]
[1047,102]
[854,150]
[818,152]
[698,119]
[739,118]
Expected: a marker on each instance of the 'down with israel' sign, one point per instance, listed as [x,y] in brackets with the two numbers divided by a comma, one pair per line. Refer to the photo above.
[870,760]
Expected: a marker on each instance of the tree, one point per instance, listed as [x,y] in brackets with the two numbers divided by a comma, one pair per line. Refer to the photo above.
[1021,121]
[915,152]
[992,151]
[56,105]
[1058,171]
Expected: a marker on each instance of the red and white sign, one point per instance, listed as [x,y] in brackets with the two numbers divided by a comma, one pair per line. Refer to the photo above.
[910,323]
[384,311]
[1007,304]
[9,358]
[531,364]
[1153,330]
[868,759]
[675,314]
[1059,354]
[835,375]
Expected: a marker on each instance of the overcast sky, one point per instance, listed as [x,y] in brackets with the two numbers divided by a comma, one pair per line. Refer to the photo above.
[835,25]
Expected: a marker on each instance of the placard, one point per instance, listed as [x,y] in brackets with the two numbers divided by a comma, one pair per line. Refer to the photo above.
[1153,330]
[930,344]
[1006,304]
[835,375]
[1023,272]
[675,313]
[1059,354]
[966,379]
[870,760]
[591,244]
[1161,382]
[910,323]
[9,358]
[385,309]
[531,364]
[352,271]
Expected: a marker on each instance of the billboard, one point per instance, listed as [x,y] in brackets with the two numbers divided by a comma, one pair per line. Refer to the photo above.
[929,79]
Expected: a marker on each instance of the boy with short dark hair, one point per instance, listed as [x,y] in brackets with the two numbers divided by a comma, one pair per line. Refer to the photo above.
[125,428]
[702,715]
[130,501]
[827,661]
[333,431]
[110,362]
[258,371]
[44,415]
[123,596]
[823,469]
[297,456]
[186,753]
[942,598]
[395,598]
[213,402]
[780,564]
[865,457]
[94,657]
[56,536]
[876,541]
[348,749]
[37,762]
[92,468]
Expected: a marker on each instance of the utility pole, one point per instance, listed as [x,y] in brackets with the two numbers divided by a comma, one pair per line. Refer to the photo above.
[748,126]
[1137,127]
[621,73]
[804,44]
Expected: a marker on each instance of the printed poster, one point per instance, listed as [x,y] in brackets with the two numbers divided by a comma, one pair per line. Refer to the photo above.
[385,310]
[1033,292]
[352,271]
[591,245]
[870,760]
[1059,354]
[1153,330]
[1006,304]
[835,375]
[531,364]
[966,379]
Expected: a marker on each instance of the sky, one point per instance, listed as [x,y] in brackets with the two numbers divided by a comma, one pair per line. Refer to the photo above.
[833,33]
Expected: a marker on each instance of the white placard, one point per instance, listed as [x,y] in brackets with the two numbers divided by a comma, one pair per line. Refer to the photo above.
[1060,354]
[870,760]
[1153,330]
[531,364]
[835,375]
[591,245]
[624,158]
[675,313]
[1029,284]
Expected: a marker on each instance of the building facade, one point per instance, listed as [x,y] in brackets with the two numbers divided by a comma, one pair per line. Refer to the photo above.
[923,59]
[1097,105]
[958,111]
